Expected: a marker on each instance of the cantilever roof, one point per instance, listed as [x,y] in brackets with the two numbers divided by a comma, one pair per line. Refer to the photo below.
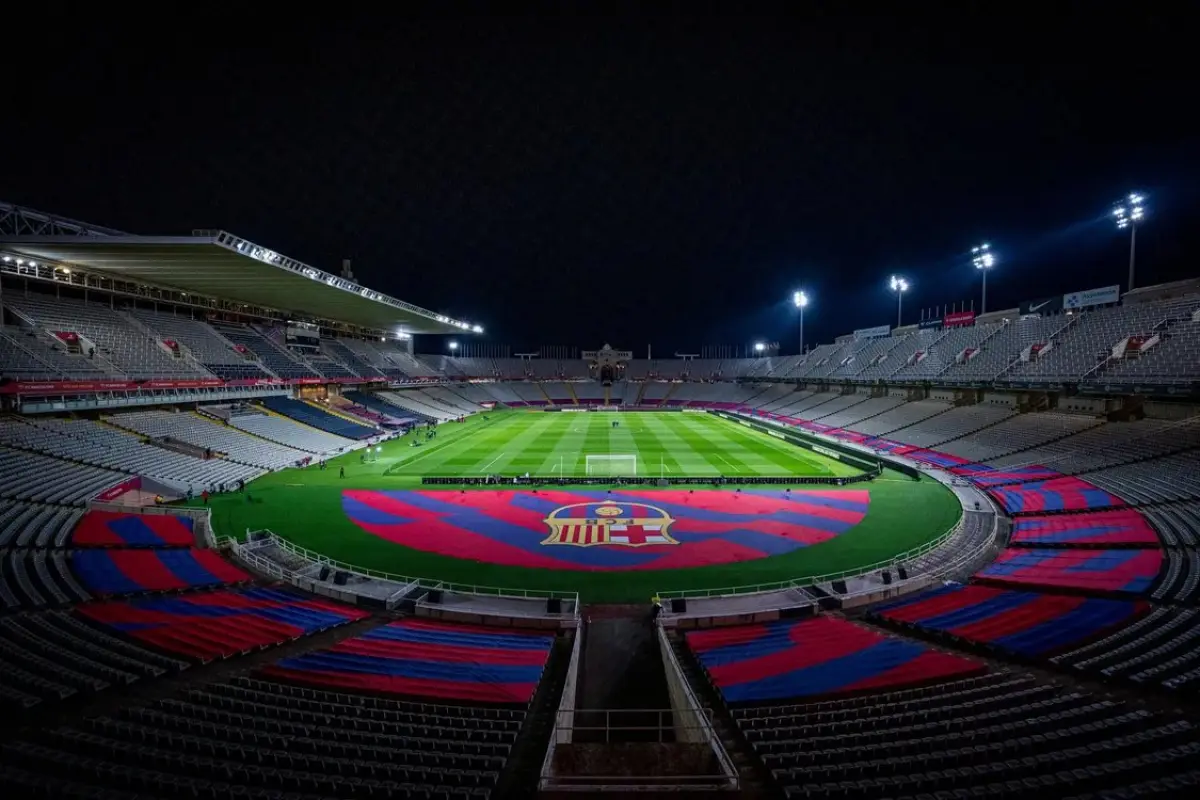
[219,264]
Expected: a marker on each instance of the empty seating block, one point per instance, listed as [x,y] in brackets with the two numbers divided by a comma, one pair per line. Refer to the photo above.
[222,623]
[114,529]
[983,475]
[1127,571]
[1057,494]
[1028,623]
[1118,526]
[309,415]
[424,658]
[823,656]
[132,571]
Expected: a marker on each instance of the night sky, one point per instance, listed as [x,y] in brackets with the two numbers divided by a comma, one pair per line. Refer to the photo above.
[578,179]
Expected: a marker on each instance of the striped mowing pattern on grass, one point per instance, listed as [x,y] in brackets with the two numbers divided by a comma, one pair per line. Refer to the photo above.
[672,443]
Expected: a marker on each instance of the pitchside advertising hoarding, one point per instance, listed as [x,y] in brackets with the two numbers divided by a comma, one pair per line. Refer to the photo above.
[959,319]
[1092,297]
[872,333]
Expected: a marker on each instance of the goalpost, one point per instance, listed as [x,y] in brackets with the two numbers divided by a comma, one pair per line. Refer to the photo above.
[611,466]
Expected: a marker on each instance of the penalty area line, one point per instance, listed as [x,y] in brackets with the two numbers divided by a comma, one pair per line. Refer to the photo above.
[727,461]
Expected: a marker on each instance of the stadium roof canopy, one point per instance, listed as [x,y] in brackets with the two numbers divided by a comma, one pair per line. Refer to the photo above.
[217,264]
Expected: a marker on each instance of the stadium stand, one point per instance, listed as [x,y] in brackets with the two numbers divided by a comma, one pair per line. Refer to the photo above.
[207,433]
[423,658]
[222,623]
[1056,494]
[951,424]
[35,525]
[1116,571]
[41,479]
[116,339]
[272,357]
[285,431]
[203,344]
[1029,624]
[118,572]
[819,657]
[116,529]
[1105,528]
[317,418]
[24,355]
[261,736]
[91,442]
[997,735]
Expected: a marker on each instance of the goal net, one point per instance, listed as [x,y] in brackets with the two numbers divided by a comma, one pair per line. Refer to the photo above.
[611,466]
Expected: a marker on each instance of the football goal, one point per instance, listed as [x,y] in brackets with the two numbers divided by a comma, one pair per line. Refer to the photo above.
[612,466]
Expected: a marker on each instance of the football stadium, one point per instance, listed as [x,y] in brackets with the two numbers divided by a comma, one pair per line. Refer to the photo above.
[255,544]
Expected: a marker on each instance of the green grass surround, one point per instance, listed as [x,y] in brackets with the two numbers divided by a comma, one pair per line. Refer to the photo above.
[305,506]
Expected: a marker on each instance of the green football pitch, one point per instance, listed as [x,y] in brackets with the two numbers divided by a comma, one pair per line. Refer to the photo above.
[659,444]
[307,506]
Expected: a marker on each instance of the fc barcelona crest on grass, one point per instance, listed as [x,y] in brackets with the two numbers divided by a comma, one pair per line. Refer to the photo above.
[622,524]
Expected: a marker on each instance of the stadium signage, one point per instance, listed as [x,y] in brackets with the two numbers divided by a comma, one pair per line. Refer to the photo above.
[90,387]
[1043,305]
[825,451]
[872,333]
[931,323]
[1092,297]
[959,319]
[777,435]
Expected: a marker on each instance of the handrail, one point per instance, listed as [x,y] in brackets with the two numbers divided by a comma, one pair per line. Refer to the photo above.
[808,580]
[428,583]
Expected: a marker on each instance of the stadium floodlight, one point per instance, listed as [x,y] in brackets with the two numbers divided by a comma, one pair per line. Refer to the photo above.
[800,300]
[899,286]
[984,258]
[477,329]
[453,346]
[759,347]
[1129,214]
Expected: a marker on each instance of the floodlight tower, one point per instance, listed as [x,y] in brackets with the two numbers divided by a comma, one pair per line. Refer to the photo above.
[800,300]
[984,259]
[1129,214]
[899,286]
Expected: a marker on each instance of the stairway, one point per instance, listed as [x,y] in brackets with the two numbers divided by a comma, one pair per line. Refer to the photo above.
[571,391]
[524,768]
[753,775]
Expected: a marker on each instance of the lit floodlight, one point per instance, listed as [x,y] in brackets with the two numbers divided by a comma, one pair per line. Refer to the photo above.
[800,299]
[983,257]
[759,347]
[1129,214]
[477,329]
[899,286]
[454,345]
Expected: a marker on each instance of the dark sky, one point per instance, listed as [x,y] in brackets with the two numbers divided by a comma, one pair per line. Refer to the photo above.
[575,179]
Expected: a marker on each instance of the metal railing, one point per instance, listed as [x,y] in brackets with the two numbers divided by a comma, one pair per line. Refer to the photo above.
[427,583]
[809,580]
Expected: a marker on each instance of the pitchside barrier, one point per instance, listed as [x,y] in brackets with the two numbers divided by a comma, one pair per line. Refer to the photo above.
[832,448]
[501,481]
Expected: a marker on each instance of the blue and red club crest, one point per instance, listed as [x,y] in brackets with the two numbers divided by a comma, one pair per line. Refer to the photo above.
[609,523]
[602,530]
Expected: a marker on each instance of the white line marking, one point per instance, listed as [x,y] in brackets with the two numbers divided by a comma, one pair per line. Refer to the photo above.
[493,461]
[727,461]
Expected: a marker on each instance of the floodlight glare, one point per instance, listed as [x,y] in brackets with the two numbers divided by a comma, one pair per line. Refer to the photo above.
[477,329]
[759,347]
[1129,214]
[983,257]
[899,286]
[454,345]
[800,300]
